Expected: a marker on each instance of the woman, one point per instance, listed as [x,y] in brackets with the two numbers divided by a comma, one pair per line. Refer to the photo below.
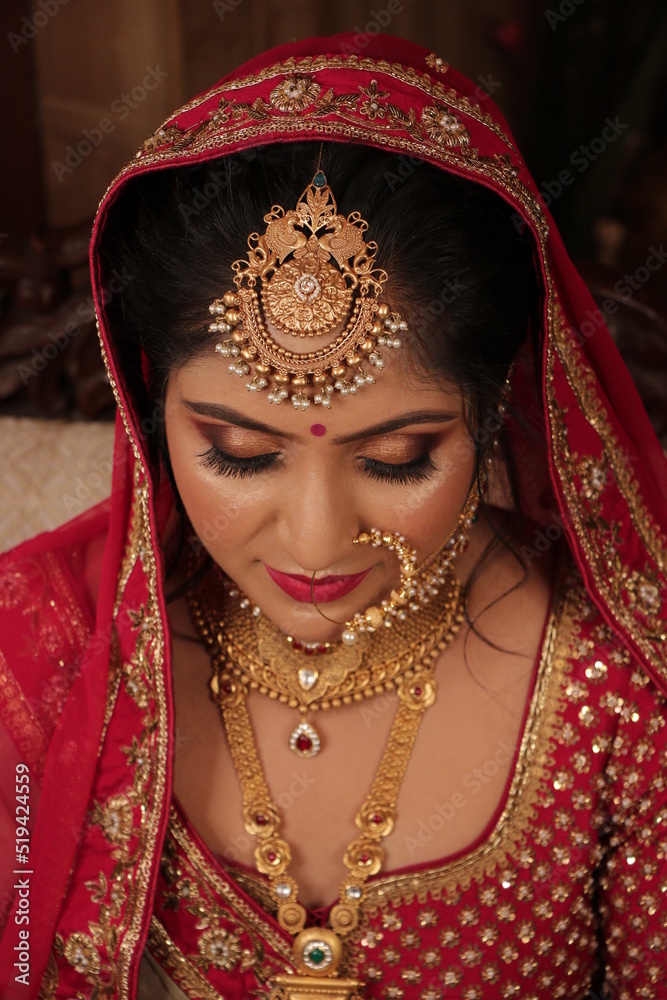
[361,389]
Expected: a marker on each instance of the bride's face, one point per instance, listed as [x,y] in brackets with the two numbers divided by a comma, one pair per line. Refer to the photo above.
[276,495]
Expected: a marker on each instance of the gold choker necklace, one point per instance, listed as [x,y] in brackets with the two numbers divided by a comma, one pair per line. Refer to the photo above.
[250,654]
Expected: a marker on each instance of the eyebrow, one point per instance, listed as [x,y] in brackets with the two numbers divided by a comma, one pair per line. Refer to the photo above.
[219,412]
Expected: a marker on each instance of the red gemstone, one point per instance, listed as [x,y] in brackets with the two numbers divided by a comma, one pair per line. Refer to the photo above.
[271,857]
[322,649]
[227,687]
[308,651]
[304,743]
[364,859]
[377,818]
[296,644]
[416,691]
[261,820]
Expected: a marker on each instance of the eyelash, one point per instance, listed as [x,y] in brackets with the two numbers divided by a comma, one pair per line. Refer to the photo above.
[408,473]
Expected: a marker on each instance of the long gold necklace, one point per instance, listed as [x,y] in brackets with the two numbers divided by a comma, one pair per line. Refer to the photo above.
[318,951]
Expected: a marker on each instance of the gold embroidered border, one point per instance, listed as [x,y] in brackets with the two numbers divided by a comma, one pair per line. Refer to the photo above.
[172,961]
[583,386]
[159,753]
[302,121]
[314,64]
[212,878]
[585,391]
[103,953]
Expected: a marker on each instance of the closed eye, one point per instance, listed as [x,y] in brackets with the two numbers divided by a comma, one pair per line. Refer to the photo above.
[228,465]
[405,473]
[415,471]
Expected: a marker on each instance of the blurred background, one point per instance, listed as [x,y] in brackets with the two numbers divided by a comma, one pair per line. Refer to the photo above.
[581,83]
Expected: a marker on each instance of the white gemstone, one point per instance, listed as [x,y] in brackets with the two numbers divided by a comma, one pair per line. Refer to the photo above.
[283,890]
[353,892]
[307,288]
[307,677]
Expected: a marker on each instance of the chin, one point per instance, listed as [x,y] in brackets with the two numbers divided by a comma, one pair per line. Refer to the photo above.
[304,623]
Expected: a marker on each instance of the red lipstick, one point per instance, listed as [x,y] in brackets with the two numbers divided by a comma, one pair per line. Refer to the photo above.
[328,588]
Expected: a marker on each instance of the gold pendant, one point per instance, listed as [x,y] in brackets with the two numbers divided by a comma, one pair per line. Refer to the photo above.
[317,954]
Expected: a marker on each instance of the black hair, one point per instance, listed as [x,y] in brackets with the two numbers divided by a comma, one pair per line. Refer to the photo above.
[460,272]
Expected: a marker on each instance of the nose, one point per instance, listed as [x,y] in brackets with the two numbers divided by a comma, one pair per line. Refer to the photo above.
[318,521]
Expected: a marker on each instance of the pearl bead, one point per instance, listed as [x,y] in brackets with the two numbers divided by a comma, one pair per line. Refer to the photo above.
[349,637]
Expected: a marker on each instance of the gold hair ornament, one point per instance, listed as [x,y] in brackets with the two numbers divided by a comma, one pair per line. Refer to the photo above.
[312,275]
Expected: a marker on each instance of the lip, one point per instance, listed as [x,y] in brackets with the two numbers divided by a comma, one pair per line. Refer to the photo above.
[329,588]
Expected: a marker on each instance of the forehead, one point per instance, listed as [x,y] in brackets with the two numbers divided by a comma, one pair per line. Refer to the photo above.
[398,390]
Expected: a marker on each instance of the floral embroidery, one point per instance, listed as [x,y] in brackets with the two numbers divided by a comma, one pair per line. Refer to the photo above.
[220,949]
[115,818]
[436,63]
[645,593]
[13,588]
[444,128]
[295,93]
[372,107]
[593,474]
[222,113]
[81,953]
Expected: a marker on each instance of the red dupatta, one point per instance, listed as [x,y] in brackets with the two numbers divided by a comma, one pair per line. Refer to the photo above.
[104,764]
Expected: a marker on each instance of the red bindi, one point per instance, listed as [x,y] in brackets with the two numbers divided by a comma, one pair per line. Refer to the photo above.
[318,430]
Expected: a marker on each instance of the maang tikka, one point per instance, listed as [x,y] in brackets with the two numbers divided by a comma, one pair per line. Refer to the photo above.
[311,275]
